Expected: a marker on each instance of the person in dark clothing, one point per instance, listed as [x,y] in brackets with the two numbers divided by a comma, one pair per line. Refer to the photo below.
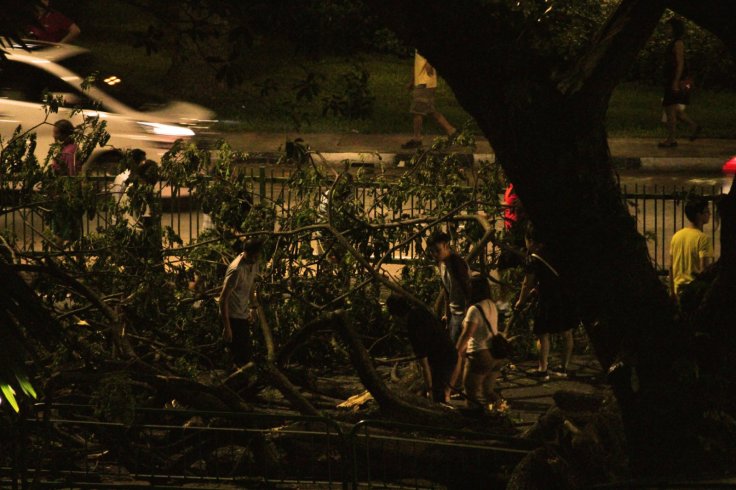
[676,88]
[431,344]
[556,311]
[455,275]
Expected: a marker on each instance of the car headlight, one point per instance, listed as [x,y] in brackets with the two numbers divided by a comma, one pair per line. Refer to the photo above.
[165,129]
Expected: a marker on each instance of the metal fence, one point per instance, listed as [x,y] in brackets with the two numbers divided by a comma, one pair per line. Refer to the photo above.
[63,446]
[659,211]
[390,454]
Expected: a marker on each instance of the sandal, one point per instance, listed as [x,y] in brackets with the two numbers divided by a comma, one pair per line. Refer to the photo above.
[667,144]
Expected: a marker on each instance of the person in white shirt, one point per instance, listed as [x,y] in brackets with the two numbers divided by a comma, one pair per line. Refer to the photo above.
[238,301]
[480,324]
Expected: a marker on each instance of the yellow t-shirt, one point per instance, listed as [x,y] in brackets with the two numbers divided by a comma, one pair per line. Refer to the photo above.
[687,247]
[421,77]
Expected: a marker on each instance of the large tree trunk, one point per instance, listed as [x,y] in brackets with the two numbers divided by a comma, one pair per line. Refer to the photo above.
[546,125]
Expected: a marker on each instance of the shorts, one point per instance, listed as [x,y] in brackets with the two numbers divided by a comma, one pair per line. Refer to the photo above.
[422,101]
[480,362]
[242,344]
[675,98]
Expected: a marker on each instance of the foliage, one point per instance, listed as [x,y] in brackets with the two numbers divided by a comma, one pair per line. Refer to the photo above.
[355,101]
[326,236]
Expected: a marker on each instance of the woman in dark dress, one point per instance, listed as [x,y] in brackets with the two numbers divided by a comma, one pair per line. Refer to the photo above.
[556,312]
[676,94]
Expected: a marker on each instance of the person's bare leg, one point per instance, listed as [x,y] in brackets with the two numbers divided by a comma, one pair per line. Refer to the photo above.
[473,387]
[681,116]
[489,385]
[444,123]
[417,126]
[543,351]
[569,345]
[671,112]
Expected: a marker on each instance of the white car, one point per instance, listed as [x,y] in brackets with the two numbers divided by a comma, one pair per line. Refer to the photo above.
[29,71]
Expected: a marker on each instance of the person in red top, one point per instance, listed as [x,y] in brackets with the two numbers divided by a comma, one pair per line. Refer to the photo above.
[66,163]
[53,26]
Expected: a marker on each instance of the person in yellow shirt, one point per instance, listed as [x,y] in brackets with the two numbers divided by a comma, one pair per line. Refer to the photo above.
[423,86]
[691,250]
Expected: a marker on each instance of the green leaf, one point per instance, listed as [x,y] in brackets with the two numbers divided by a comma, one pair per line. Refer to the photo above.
[9,394]
[26,386]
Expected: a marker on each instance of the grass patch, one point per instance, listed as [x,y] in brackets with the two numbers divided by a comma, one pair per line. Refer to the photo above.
[636,110]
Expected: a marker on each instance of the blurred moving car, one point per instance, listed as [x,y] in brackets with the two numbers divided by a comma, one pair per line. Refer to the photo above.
[27,72]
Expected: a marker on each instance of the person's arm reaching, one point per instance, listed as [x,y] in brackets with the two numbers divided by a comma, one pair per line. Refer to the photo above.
[672,280]
[527,285]
[462,347]
[73,33]
[429,69]
[679,66]
[427,374]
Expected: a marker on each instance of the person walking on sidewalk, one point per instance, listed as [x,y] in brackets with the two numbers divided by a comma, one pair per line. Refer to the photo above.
[555,312]
[691,250]
[423,86]
[677,86]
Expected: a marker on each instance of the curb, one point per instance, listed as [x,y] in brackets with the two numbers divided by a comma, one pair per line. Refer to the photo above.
[370,160]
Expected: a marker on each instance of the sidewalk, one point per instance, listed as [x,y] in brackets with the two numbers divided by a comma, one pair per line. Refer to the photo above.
[703,155]
[528,398]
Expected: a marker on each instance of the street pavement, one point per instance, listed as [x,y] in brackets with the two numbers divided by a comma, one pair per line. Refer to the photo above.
[528,397]
[702,155]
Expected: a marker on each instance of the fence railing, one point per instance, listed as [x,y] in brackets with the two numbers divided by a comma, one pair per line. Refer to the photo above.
[659,211]
[64,446]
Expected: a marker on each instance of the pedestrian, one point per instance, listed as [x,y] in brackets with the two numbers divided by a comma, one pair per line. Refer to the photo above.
[455,277]
[52,25]
[555,312]
[67,161]
[336,203]
[480,325]
[677,86]
[119,189]
[65,218]
[691,250]
[423,86]
[238,301]
[147,202]
[431,344]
